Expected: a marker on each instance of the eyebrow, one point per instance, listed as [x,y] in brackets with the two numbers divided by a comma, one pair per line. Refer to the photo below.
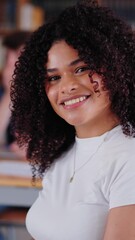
[75,62]
[78,60]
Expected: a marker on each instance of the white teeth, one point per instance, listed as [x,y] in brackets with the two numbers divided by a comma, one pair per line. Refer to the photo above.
[73,101]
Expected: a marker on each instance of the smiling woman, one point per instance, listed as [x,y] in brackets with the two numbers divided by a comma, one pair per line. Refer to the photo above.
[73,98]
[71,92]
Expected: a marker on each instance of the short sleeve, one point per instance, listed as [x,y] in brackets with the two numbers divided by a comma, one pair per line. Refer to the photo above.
[122,190]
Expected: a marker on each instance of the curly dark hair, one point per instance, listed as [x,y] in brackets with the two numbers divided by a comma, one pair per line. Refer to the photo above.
[106,44]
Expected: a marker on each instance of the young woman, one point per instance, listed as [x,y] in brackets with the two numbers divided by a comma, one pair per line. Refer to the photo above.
[73,98]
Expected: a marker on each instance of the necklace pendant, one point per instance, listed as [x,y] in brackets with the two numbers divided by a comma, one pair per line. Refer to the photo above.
[71,179]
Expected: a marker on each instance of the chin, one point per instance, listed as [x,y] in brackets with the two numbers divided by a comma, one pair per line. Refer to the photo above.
[74,122]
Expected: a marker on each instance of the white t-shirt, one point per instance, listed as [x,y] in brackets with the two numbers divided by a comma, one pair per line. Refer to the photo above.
[79,210]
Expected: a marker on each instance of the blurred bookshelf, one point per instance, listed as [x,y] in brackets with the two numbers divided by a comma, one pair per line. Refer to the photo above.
[20,14]
[30,14]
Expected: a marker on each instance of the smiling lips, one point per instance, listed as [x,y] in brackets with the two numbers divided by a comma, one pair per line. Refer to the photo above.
[75,101]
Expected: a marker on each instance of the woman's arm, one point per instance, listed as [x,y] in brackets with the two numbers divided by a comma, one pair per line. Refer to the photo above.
[121,223]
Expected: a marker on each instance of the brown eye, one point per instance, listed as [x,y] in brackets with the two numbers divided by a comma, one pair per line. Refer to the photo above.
[53,78]
[82,69]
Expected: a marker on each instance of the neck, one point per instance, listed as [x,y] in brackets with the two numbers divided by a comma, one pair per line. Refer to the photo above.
[94,130]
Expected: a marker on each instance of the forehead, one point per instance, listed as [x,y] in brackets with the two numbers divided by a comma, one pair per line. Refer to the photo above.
[61,54]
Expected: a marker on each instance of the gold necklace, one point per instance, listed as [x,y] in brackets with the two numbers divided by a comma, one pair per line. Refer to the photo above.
[78,169]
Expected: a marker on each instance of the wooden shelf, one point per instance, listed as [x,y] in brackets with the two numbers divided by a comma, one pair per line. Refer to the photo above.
[18,182]
[13,215]
[4,32]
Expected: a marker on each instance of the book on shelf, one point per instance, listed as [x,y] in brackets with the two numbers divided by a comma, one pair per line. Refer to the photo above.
[8,10]
[24,16]
[31,16]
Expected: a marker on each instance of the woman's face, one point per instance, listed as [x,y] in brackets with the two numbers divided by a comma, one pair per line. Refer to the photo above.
[72,94]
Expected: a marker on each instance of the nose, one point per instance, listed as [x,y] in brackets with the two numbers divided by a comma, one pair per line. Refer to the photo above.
[68,84]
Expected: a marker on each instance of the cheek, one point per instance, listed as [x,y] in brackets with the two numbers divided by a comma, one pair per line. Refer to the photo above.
[51,93]
[105,100]
[46,88]
[97,83]
[93,81]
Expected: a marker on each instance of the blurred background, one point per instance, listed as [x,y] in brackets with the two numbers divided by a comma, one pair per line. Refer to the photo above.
[29,14]
[18,18]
